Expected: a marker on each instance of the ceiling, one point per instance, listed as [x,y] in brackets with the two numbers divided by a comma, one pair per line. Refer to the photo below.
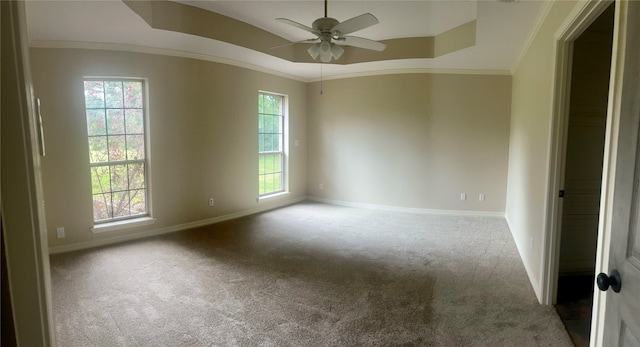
[502,29]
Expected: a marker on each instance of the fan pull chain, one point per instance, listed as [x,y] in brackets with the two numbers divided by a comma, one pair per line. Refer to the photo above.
[321,78]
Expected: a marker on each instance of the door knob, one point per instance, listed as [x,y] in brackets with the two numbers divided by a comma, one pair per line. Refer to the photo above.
[613,281]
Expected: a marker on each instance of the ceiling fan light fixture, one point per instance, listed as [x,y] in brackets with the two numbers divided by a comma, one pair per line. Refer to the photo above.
[325,51]
[314,51]
[336,51]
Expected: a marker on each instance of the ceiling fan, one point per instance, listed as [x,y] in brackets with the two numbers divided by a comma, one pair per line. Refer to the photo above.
[329,30]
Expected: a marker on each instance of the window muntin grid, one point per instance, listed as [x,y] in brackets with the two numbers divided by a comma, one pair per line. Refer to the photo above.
[271,133]
[116,127]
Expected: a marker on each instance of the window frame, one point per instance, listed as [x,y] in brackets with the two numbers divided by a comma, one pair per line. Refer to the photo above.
[121,222]
[284,151]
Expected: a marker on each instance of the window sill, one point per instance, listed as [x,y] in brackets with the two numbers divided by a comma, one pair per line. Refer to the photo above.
[122,224]
[272,196]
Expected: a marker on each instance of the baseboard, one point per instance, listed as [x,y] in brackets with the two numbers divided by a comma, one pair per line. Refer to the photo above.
[406,209]
[170,229]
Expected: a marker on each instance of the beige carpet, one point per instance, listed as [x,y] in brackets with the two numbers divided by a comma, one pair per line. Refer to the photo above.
[306,275]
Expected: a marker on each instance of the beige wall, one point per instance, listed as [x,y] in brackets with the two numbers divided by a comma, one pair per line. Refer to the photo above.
[529,143]
[203,128]
[410,140]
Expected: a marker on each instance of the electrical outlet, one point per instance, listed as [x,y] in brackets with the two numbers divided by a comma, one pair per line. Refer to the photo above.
[463,196]
[531,244]
[211,202]
[60,232]
[321,186]
[481,197]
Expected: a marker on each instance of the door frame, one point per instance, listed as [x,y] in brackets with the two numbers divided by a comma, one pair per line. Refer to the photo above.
[582,16]
[575,24]
[24,230]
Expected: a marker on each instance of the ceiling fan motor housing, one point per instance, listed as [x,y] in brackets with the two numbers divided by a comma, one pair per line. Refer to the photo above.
[325,24]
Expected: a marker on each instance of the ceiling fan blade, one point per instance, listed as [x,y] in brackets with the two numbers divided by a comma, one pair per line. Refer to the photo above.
[354,24]
[361,42]
[293,43]
[299,26]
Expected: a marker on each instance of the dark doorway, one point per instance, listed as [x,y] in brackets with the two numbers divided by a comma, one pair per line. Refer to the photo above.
[590,71]
[8,329]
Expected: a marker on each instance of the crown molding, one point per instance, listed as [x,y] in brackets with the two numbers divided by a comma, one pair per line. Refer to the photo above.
[414,71]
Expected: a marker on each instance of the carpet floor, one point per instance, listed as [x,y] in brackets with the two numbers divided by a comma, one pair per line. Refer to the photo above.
[310,274]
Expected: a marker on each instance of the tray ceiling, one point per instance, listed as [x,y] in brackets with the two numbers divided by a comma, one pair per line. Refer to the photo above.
[502,29]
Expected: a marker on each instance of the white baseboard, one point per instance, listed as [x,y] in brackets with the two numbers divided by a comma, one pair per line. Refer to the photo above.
[173,228]
[407,209]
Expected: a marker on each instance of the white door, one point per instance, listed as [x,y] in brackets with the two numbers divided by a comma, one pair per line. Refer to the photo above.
[620,247]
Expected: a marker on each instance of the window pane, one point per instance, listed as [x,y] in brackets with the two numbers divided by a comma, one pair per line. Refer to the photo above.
[121,204]
[261,143]
[275,162]
[268,124]
[135,147]
[98,149]
[119,177]
[274,143]
[268,183]
[137,201]
[94,94]
[101,206]
[132,94]
[96,122]
[114,94]
[136,175]
[267,105]
[260,123]
[115,122]
[261,168]
[276,182]
[261,185]
[117,148]
[134,121]
[271,166]
[276,124]
[100,180]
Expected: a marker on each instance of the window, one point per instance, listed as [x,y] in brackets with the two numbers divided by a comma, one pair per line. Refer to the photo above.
[272,121]
[115,111]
